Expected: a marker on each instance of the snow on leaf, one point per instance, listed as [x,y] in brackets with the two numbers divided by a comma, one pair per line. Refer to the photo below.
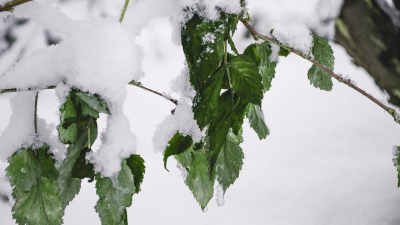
[115,195]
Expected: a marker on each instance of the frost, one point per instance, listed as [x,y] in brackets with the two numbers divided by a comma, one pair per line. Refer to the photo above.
[183,121]
[296,36]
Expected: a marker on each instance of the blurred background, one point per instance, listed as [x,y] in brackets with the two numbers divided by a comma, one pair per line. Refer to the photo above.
[328,159]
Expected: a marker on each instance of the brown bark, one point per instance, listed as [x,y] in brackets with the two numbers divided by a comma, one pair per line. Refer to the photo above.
[370,37]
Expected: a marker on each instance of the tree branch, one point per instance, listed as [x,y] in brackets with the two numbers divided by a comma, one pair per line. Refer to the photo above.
[9,6]
[134,83]
[339,78]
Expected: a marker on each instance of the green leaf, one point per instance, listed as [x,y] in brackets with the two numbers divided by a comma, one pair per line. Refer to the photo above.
[230,113]
[283,52]
[115,196]
[322,53]
[23,170]
[203,45]
[261,55]
[396,161]
[206,100]
[266,67]
[91,105]
[35,188]
[47,162]
[237,137]
[177,145]
[68,110]
[185,158]
[40,205]
[82,168]
[256,119]
[68,185]
[198,180]
[229,163]
[232,45]
[136,164]
[246,79]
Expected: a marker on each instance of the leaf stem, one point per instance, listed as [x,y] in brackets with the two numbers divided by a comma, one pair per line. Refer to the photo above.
[35,112]
[226,64]
[339,78]
[123,11]
[9,6]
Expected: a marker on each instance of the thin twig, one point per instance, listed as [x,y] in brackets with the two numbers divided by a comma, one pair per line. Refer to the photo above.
[35,113]
[9,6]
[256,35]
[134,83]
[123,11]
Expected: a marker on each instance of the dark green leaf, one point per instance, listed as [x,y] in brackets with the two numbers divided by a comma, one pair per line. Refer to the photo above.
[283,52]
[115,196]
[322,53]
[232,45]
[198,180]
[68,110]
[68,185]
[229,163]
[267,68]
[91,105]
[206,100]
[256,119]
[230,113]
[136,164]
[246,79]
[47,162]
[82,168]
[177,145]
[203,45]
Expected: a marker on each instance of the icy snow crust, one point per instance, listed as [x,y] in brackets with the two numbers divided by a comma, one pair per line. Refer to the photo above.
[100,56]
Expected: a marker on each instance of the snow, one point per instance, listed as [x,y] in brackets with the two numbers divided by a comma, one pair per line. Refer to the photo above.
[183,121]
[209,9]
[220,195]
[274,57]
[46,136]
[118,143]
[294,35]
[181,85]
[20,131]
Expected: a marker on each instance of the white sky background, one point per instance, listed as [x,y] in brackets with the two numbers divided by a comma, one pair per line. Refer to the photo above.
[328,159]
